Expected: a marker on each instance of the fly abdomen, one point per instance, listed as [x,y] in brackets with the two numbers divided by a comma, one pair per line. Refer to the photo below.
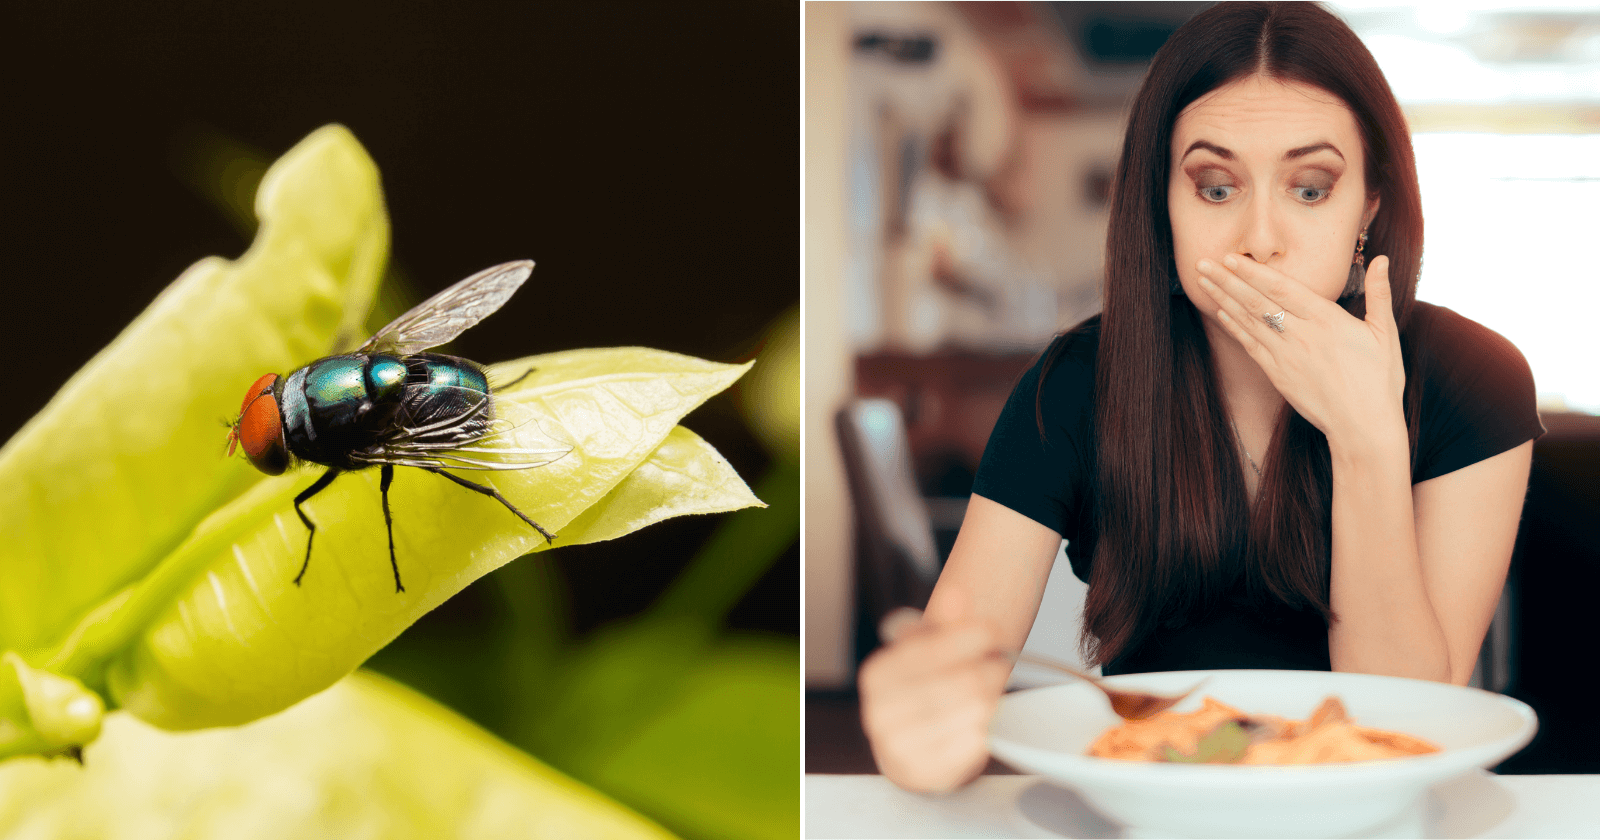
[436,370]
[445,398]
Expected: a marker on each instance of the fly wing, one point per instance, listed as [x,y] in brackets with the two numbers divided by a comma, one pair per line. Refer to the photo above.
[450,312]
[477,432]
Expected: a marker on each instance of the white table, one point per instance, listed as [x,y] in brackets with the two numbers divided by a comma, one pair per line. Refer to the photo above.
[1477,805]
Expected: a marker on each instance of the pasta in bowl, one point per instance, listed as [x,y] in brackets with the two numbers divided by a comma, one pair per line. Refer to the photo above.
[1220,734]
[1051,731]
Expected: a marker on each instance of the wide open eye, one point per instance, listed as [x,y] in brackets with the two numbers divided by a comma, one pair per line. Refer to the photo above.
[1217,193]
[260,428]
[1311,195]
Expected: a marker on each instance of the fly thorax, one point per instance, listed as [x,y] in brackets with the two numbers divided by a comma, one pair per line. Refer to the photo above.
[328,409]
[336,390]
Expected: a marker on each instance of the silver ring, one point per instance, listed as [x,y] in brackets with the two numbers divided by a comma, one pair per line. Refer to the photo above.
[1274,321]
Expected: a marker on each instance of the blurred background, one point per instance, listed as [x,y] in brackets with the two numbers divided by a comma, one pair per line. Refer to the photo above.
[958,163]
[644,155]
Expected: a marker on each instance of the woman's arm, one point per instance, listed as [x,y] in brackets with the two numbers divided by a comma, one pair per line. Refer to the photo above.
[927,697]
[1466,527]
[1386,619]
[1417,572]
[1001,561]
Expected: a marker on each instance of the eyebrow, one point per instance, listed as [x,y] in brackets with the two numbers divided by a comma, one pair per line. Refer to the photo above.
[1227,154]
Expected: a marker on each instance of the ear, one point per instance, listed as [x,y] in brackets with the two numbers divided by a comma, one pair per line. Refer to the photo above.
[1372,211]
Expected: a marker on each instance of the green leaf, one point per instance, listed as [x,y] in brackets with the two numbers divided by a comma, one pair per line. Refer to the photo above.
[366,758]
[235,639]
[684,475]
[127,458]
[1224,744]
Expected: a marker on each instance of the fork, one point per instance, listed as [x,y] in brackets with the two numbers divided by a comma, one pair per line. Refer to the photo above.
[1128,704]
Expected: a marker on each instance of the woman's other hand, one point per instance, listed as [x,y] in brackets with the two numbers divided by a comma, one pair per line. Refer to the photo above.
[928,695]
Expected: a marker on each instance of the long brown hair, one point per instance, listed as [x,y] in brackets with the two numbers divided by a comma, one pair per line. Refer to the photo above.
[1170,495]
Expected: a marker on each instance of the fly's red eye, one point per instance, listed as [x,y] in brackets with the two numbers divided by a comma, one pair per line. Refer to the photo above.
[262,386]
[260,428]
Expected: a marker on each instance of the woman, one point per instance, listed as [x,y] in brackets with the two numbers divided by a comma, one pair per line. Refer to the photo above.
[1262,453]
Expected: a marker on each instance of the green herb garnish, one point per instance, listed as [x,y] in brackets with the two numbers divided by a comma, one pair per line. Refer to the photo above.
[1224,744]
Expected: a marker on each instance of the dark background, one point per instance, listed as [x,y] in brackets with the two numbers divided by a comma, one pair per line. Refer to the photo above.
[645,155]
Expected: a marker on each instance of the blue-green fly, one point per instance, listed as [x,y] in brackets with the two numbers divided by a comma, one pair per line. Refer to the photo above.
[390,404]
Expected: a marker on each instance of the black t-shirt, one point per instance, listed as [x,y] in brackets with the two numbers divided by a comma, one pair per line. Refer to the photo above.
[1477,401]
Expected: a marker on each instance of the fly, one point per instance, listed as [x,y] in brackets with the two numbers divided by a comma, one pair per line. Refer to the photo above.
[391,404]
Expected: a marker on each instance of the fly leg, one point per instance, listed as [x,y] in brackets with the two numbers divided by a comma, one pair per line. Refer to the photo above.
[499,388]
[386,476]
[322,484]
[490,491]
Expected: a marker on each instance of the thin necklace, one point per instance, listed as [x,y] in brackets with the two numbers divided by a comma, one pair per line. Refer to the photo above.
[1246,451]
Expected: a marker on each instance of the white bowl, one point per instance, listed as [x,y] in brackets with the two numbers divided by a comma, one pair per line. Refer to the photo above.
[1047,731]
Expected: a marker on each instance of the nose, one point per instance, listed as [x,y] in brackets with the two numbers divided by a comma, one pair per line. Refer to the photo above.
[1262,237]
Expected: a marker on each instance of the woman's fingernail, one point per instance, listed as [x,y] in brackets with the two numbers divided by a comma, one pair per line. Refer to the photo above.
[1230,261]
